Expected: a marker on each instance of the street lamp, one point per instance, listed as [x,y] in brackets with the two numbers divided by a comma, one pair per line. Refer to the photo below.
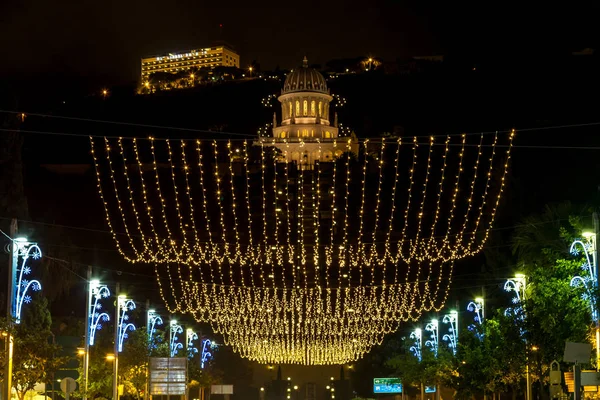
[95,316]
[476,307]
[152,319]
[518,285]
[590,281]
[123,305]
[432,343]
[417,336]
[174,330]
[21,251]
[452,336]
[206,354]
[191,336]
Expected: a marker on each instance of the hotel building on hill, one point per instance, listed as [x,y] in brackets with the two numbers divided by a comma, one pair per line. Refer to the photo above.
[209,57]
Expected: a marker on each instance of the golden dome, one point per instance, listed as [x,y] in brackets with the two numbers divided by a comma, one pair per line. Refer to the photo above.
[304,79]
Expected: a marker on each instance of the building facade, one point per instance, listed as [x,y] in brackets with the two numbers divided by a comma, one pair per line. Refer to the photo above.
[305,134]
[209,57]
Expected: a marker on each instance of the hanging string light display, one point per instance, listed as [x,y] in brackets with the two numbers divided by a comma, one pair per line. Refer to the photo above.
[301,265]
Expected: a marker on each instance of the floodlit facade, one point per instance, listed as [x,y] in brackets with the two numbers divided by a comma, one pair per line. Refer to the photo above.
[209,57]
[306,134]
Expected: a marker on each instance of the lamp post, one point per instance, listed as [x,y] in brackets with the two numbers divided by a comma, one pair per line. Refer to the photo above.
[433,344]
[476,306]
[416,348]
[452,336]
[123,305]
[518,285]
[95,316]
[589,281]
[206,354]
[21,251]
[174,330]
[152,319]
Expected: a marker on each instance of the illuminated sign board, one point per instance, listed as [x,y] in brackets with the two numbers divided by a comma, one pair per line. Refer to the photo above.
[387,385]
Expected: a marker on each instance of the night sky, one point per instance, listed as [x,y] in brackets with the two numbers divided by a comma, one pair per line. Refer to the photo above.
[91,40]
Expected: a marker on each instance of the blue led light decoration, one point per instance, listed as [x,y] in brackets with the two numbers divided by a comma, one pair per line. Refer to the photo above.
[206,354]
[97,292]
[152,319]
[588,281]
[452,336]
[517,286]
[476,307]
[125,305]
[174,330]
[433,340]
[191,336]
[417,336]
[24,251]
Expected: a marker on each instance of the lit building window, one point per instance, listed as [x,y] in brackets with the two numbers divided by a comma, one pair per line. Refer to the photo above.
[312,108]
[305,107]
[297,108]
[327,135]
[305,133]
[282,135]
[290,114]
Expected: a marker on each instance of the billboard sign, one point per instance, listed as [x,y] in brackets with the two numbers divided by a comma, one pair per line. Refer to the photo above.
[387,385]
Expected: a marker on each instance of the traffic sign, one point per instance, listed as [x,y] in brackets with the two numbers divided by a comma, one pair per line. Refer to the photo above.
[68,385]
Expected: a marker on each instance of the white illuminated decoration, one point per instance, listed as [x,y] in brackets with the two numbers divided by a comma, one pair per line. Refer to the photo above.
[589,280]
[416,348]
[517,286]
[476,307]
[206,354]
[25,251]
[124,305]
[452,336]
[308,265]
[191,337]
[433,341]
[153,319]
[97,292]
[174,345]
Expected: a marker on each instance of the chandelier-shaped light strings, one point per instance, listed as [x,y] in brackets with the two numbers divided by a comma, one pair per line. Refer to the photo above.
[294,265]
[214,203]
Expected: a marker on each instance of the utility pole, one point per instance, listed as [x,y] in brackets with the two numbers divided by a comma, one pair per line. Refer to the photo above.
[146,391]
[86,356]
[116,347]
[595,261]
[10,312]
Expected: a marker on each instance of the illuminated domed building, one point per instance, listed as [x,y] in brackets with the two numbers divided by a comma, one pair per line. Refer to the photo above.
[306,134]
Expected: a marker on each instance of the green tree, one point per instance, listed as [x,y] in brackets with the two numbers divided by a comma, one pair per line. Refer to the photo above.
[133,362]
[35,358]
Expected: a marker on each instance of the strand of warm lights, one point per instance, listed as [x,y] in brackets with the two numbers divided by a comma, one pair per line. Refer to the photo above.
[266,277]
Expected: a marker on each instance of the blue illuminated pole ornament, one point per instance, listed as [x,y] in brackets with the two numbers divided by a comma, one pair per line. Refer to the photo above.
[588,281]
[476,307]
[191,337]
[417,336]
[452,336]
[97,292]
[206,354]
[174,330]
[24,251]
[153,319]
[125,305]
[433,342]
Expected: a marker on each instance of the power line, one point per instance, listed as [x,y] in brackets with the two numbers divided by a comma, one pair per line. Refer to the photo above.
[100,121]
[174,128]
